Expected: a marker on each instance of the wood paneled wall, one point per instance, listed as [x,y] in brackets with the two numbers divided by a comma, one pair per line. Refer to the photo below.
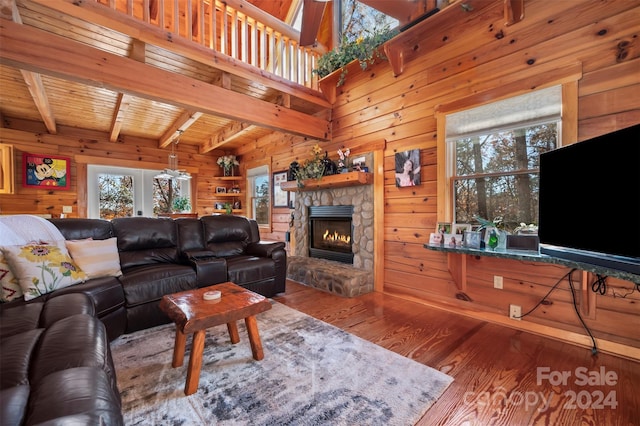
[90,147]
[461,57]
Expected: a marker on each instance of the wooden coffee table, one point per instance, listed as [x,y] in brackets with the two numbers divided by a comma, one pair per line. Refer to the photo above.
[193,314]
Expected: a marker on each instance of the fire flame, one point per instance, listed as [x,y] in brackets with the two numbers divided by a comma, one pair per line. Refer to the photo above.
[336,237]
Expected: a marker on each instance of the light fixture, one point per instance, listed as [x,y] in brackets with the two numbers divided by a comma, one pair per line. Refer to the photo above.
[172,172]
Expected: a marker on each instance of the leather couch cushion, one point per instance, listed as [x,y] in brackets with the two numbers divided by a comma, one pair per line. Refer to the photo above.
[75,341]
[71,393]
[15,358]
[145,240]
[105,293]
[82,228]
[14,403]
[248,269]
[148,283]
[226,235]
[189,234]
[19,318]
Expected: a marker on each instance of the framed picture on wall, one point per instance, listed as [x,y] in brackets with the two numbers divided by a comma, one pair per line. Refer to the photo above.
[280,197]
[408,168]
[46,171]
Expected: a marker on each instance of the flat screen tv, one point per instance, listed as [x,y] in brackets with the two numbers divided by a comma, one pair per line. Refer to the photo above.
[589,207]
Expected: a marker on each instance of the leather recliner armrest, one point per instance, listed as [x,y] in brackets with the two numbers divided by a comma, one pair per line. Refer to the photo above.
[209,270]
[198,254]
[264,248]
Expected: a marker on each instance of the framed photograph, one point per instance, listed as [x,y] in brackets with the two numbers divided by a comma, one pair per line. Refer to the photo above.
[443,228]
[435,239]
[452,240]
[219,205]
[221,190]
[280,197]
[46,171]
[408,168]
[459,228]
[472,239]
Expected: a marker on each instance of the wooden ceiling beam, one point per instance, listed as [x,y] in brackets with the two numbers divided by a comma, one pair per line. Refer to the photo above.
[226,135]
[101,15]
[124,100]
[182,123]
[32,49]
[9,11]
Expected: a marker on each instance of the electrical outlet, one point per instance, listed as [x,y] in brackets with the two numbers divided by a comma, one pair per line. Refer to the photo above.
[67,209]
[515,312]
[497,282]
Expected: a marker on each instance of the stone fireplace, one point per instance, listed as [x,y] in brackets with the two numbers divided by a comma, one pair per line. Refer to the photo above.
[345,278]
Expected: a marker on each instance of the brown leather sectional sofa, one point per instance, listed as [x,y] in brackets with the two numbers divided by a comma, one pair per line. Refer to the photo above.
[157,257]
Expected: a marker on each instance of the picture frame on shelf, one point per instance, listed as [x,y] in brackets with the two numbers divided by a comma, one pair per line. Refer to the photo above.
[218,205]
[221,190]
[46,171]
[435,239]
[452,240]
[280,197]
[472,239]
[443,228]
[460,228]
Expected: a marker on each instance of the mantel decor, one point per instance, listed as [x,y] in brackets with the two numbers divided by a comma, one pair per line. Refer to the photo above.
[340,180]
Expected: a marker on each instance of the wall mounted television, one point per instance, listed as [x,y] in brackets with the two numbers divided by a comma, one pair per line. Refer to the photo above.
[589,206]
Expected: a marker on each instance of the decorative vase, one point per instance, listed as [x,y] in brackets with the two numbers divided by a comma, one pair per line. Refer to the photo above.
[493,240]
[229,171]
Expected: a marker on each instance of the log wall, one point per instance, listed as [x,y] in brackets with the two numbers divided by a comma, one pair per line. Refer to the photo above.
[591,47]
[89,147]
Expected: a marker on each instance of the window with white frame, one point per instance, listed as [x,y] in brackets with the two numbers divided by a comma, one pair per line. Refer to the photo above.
[258,185]
[122,191]
[493,156]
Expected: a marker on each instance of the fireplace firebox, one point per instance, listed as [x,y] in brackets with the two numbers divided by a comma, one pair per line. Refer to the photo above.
[331,233]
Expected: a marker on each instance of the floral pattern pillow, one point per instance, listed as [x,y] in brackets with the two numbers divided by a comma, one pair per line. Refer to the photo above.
[42,268]
[10,288]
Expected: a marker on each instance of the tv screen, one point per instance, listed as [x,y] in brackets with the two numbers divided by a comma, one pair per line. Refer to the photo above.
[589,207]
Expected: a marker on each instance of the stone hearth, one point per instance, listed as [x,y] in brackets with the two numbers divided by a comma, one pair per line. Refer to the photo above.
[330,276]
[339,278]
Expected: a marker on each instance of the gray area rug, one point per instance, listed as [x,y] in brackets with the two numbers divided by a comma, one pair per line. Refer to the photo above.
[312,374]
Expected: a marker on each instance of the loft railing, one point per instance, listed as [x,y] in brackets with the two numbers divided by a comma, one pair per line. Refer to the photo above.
[259,40]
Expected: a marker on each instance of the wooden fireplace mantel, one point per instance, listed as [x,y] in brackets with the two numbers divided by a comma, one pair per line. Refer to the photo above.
[333,181]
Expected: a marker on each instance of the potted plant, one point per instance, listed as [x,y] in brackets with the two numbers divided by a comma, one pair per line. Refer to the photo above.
[312,168]
[181,204]
[366,50]
[228,162]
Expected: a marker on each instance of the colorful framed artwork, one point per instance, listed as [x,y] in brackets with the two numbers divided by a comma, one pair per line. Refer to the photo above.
[45,171]
[280,197]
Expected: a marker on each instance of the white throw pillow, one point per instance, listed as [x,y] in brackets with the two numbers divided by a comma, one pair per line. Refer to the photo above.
[42,268]
[97,258]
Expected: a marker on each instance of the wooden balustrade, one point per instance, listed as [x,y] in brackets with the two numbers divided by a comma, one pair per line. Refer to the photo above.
[233,28]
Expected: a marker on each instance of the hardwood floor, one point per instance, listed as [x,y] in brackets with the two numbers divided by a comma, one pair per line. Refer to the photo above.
[501,376]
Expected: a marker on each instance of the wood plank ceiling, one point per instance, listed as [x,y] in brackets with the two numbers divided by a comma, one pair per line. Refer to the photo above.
[111,88]
[133,92]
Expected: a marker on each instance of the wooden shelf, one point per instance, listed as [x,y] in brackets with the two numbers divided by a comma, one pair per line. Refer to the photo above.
[228,194]
[227,177]
[333,181]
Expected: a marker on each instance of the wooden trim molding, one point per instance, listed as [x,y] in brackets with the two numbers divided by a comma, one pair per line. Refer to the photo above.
[7,175]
